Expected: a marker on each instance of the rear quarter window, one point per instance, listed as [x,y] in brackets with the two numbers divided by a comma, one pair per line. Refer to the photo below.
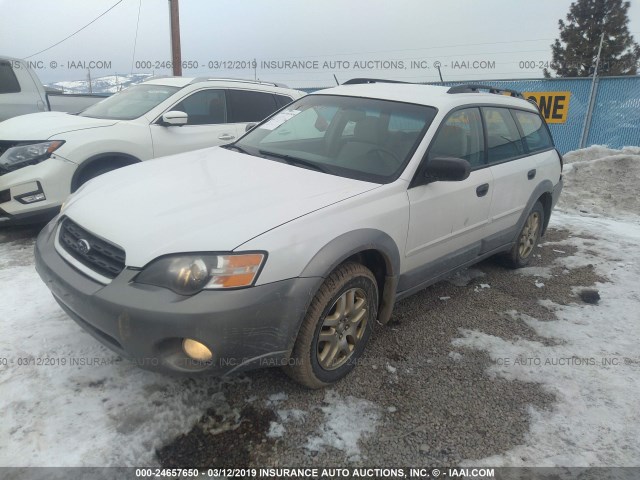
[535,133]
[8,81]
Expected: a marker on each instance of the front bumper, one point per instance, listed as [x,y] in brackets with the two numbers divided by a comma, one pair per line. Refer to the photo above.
[245,329]
[51,177]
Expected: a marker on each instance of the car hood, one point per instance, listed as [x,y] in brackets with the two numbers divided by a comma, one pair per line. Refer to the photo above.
[207,200]
[44,125]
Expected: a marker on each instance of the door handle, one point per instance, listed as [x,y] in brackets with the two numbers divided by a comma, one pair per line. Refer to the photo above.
[482,190]
[225,136]
[531,174]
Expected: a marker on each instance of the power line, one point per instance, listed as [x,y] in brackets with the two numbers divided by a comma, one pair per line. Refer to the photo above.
[421,48]
[135,42]
[76,32]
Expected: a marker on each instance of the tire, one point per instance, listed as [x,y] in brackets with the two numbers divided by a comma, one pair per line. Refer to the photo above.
[317,361]
[93,171]
[522,251]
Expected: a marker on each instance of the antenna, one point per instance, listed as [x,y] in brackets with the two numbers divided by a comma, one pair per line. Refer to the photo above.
[336,79]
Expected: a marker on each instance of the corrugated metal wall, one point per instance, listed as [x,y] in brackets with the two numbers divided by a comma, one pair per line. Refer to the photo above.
[616,113]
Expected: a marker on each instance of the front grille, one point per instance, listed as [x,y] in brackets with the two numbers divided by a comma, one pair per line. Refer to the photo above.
[100,256]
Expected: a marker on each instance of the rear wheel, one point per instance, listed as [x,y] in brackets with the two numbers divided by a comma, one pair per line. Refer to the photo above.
[522,251]
[336,328]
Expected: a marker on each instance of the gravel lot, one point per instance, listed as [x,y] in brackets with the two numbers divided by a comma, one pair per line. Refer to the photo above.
[493,367]
[414,400]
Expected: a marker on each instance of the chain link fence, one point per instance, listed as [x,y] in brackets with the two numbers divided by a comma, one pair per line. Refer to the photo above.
[615,116]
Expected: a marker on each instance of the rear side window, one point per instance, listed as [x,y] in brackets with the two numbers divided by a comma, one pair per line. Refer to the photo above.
[535,134]
[206,107]
[503,137]
[283,100]
[461,137]
[247,106]
[8,81]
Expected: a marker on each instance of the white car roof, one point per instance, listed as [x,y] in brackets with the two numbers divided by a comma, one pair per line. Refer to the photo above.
[431,95]
[222,82]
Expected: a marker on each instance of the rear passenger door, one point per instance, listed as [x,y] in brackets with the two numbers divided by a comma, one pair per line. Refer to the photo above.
[247,106]
[539,143]
[513,170]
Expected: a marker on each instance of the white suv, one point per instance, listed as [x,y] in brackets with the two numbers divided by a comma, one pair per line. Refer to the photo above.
[288,246]
[46,156]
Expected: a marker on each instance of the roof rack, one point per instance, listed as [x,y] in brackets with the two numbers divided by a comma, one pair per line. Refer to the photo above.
[257,82]
[359,81]
[475,88]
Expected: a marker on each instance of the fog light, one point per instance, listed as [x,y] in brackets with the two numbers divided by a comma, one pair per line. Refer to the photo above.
[196,350]
[38,197]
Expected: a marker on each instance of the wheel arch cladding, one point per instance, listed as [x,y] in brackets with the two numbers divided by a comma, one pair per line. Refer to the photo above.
[541,193]
[546,200]
[373,248]
[121,159]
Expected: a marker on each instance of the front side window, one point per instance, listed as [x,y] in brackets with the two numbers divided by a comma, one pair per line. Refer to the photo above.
[131,103]
[205,107]
[535,134]
[461,136]
[247,106]
[503,138]
[361,138]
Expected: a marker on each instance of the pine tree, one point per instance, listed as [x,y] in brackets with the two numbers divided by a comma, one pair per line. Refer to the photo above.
[574,53]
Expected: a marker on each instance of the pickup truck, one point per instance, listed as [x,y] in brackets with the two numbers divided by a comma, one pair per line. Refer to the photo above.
[21,92]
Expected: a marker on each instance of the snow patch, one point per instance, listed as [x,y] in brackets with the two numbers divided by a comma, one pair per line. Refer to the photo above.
[347,420]
[462,278]
[594,372]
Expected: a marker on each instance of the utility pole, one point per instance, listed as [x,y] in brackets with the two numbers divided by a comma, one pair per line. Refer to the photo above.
[587,120]
[89,80]
[176,54]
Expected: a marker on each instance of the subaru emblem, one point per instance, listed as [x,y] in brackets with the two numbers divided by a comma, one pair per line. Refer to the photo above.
[83,246]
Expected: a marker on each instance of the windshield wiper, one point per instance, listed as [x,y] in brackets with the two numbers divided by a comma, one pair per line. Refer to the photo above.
[235,147]
[295,161]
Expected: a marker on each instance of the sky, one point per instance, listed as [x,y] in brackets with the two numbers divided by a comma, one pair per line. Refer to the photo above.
[403,39]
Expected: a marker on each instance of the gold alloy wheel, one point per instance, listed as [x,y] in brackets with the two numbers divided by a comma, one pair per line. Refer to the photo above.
[529,235]
[342,329]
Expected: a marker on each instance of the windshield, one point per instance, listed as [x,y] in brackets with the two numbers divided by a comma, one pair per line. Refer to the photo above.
[361,138]
[130,103]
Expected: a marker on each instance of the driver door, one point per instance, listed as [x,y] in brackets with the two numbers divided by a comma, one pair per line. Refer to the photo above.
[448,219]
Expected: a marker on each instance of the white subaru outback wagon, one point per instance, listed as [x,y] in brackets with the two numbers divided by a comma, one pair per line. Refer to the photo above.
[46,156]
[290,245]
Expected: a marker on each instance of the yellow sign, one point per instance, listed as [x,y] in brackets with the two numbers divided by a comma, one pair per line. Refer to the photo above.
[554,106]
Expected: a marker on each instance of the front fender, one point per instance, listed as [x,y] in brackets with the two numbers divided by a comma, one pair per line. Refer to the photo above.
[348,244]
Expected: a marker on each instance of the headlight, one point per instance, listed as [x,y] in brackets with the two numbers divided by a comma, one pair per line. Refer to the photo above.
[28,154]
[188,274]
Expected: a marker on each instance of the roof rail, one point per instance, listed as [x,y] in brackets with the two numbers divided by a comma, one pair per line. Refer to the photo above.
[359,81]
[156,77]
[240,80]
[475,88]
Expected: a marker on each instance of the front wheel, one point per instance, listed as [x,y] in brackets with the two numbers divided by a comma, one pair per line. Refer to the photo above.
[522,251]
[336,328]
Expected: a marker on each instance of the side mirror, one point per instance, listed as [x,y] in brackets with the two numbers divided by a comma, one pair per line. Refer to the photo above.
[250,126]
[446,169]
[174,118]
